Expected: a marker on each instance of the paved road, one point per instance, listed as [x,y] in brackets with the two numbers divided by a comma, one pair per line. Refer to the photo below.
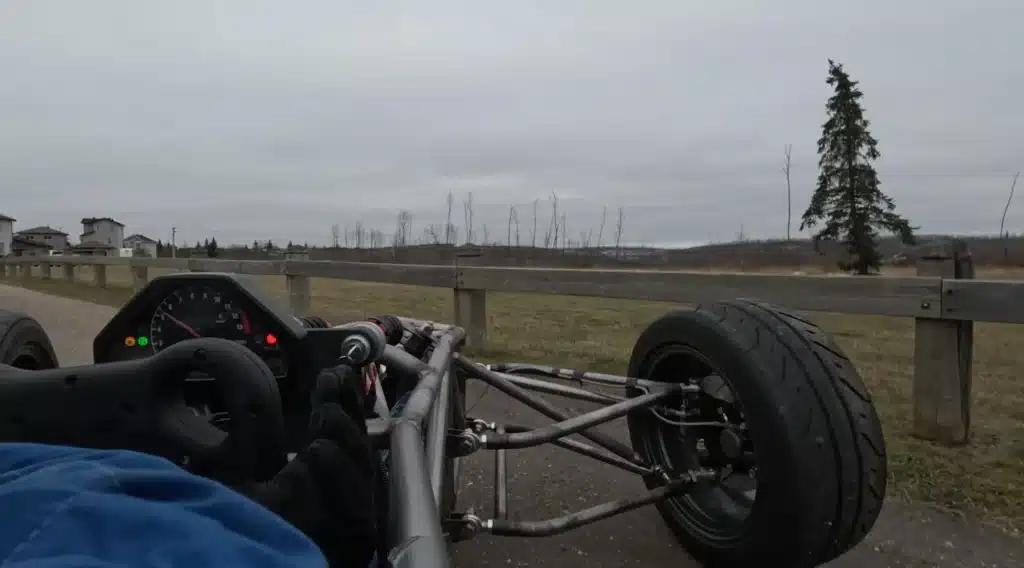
[548,482]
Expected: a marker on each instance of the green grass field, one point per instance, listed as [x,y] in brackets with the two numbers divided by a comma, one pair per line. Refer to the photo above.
[985,479]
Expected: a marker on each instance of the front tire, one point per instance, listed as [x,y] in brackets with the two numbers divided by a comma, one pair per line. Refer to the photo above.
[24,344]
[810,427]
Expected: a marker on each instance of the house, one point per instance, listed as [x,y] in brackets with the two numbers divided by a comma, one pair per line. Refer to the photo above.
[58,240]
[20,246]
[93,248]
[141,245]
[6,234]
[102,230]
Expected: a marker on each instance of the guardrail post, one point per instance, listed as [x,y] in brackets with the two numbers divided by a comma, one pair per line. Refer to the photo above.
[470,304]
[140,276]
[99,274]
[69,272]
[44,270]
[942,357]
[300,288]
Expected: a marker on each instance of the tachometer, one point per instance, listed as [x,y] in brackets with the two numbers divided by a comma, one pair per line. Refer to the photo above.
[197,311]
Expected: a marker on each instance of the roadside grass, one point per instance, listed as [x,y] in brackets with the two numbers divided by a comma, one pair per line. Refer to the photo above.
[984,479]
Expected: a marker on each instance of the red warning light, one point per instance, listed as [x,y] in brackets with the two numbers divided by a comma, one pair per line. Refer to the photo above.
[271,339]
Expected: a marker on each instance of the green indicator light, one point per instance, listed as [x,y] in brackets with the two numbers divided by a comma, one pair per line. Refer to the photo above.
[143,341]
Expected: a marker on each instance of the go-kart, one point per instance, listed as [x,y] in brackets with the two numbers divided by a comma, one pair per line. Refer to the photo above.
[753,433]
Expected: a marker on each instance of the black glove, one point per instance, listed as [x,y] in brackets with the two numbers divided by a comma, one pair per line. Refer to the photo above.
[327,491]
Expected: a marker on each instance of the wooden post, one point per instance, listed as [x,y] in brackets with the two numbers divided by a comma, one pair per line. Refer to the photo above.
[140,277]
[299,286]
[942,357]
[470,304]
[99,274]
[69,272]
[44,270]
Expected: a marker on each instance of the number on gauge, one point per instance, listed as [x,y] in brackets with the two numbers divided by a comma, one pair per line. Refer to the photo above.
[197,311]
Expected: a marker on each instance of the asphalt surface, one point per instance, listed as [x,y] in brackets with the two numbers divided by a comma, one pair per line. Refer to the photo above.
[548,482]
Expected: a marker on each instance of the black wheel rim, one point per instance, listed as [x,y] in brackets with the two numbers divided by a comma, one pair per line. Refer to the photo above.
[716,511]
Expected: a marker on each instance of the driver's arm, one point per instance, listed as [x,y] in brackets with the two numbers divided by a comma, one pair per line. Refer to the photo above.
[64,506]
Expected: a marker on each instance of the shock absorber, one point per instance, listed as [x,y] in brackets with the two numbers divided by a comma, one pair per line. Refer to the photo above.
[391,326]
[313,322]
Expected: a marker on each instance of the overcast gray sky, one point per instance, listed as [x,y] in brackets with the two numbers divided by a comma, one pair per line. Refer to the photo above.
[245,119]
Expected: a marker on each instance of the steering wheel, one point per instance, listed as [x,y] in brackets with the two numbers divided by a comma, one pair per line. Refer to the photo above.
[140,405]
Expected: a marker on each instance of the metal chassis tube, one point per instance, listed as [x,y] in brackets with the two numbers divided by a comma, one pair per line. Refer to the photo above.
[419,437]
[499,438]
[417,537]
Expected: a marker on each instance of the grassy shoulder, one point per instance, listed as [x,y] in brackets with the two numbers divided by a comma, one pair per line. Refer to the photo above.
[985,478]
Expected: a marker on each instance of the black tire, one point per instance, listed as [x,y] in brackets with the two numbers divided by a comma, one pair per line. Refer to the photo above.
[818,444]
[24,344]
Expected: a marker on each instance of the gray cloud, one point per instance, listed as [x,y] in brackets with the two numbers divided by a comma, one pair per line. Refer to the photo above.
[253,120]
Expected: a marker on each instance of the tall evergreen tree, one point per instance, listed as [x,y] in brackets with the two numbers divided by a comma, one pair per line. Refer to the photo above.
[847,202]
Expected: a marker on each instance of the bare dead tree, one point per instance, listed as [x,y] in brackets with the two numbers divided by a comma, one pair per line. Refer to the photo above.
[335,235]
[358,232]
[600,231]
[449,234]
[533,233]
[1002,222]
[432,234]
[551,237]
[786,168]
[516,227]
[467,208]
[564,231]
[513,217]
[508,237]
[403,229]
[618,233]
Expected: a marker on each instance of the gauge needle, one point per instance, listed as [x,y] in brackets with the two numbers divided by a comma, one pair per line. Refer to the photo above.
[182,325]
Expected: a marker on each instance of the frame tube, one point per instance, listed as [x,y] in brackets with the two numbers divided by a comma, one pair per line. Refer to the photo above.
[542,406]
[500,482]
[414,511]
[547,387]
[572,425]
[589,451]
[558,525]
[437,433]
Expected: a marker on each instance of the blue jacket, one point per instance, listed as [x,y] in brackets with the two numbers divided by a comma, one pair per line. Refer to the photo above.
[70,507]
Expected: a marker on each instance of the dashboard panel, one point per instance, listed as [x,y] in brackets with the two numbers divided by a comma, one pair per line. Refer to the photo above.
[184,306]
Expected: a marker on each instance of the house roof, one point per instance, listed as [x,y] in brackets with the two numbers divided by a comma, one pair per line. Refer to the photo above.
[26,243]
[92,245]
[6,218]
[44,230]
[91,220]
[140,238]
